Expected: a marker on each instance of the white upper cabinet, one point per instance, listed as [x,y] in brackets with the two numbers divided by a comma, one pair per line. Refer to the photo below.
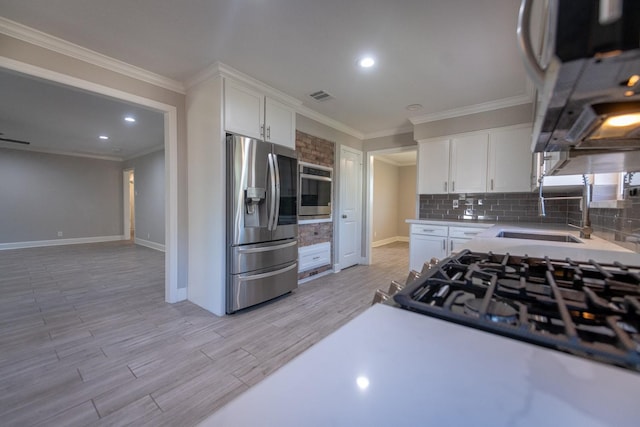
[495,160]
[280,123]
[249,112]
[469,163]
[510,160]
[243,110]
[433,167]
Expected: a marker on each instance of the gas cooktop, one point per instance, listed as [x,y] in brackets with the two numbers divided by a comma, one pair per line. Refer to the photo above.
[585,308]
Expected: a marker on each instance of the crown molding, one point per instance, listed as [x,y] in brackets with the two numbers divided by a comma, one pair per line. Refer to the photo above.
[145,152]
[473,109]
[38,38]
[321,118]
[389,132]
[218,69]
[61,152]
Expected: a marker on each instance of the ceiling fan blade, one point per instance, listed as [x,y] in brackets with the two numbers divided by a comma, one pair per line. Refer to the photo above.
[17,141]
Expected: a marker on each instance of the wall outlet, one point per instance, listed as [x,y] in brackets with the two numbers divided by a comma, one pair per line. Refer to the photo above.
[59,233]
[455,204]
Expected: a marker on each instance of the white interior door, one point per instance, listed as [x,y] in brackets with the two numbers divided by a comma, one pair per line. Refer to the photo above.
[350,208]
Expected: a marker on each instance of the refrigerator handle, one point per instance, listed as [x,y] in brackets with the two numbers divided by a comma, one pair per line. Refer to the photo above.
[276,214]
[272,200]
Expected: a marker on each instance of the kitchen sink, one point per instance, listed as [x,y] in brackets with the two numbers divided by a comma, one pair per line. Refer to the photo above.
[566,238]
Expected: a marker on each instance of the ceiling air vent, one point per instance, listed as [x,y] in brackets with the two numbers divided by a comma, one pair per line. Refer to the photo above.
[321,95]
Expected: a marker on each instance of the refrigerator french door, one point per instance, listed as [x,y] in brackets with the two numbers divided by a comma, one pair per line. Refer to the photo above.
[262,224]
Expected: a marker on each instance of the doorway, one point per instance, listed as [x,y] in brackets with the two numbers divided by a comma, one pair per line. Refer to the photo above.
[172,293]
[392,196]
[129,204]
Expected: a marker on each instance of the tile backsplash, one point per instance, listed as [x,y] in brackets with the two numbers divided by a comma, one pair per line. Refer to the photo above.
[500,207]
[621,225]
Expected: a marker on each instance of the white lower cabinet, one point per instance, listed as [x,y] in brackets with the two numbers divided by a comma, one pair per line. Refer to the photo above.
[437,241]
[427,241]
[423,248]
[314,256]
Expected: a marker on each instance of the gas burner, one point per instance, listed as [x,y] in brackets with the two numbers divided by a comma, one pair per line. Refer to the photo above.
[585,308]
[497,311]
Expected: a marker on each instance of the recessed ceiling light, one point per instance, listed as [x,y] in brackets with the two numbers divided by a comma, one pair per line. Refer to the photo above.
[105,137]
[366,62]
[414,107]
[129,119]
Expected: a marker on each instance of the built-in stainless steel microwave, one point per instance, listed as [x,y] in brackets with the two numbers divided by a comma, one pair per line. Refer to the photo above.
[316,189]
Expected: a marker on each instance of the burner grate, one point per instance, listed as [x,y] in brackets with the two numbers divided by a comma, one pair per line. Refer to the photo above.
[585,308]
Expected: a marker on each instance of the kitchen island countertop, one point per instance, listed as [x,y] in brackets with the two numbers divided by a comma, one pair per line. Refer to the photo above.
[394,367]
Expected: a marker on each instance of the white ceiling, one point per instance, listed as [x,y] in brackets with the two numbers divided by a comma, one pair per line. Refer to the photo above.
[57,118]
[443,54]
[402,158]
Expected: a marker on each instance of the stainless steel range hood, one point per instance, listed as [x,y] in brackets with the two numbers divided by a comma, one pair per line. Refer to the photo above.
[588,79]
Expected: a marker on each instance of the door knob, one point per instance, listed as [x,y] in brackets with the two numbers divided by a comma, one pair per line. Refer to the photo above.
[344,216]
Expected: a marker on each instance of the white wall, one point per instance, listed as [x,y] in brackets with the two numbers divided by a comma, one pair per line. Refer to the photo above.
[385,201]
[394,200]
[407,198]
[149,196]
[42,194]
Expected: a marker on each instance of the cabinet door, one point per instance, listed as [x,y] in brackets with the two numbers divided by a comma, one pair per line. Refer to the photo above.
[510,160]
[243,110]
[469,164]
[423,248]
[433,167]
[280,122]
[456,244]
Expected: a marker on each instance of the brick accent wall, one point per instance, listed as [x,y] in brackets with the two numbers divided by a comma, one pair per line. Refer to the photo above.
[312,149]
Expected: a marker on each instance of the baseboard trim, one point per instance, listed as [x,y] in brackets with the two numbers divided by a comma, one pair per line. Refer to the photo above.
[389,240]
[58,242]
[315,276]
[149,244]
[182,294]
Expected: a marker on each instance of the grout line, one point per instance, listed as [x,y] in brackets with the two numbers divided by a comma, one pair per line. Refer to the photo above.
[96,408]
[154,401]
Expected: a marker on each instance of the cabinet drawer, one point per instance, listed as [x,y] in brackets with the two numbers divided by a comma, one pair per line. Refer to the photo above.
[314,256]
[465,232]
[429,230]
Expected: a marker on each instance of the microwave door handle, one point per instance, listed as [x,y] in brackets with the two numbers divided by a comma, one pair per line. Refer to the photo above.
[272,192]
[533,68]
[276,211]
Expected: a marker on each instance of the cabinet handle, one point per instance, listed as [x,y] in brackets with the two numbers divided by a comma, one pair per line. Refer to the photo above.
[451,246]
[445,186]
[444,247]
[268,132]
[424,230]
[262,130]
[492,183]
[453,186]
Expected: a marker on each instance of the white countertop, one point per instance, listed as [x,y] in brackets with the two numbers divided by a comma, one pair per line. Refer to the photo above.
[594,248]
[423,371]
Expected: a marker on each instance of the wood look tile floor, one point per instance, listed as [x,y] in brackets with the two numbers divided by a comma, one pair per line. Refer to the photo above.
[87,339]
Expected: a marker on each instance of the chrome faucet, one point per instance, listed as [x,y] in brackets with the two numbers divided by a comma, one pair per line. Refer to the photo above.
[585,201]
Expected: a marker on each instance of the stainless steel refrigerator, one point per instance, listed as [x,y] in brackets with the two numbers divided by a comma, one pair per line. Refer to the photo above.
[262,221]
